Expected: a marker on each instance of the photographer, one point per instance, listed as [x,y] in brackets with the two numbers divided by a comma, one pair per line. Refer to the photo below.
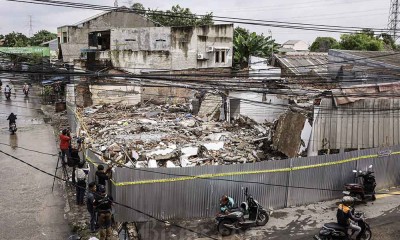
[65,145]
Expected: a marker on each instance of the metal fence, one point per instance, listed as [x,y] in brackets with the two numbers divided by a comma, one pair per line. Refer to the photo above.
[198,198]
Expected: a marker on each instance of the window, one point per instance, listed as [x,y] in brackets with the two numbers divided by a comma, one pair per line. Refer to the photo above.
[220,56]
[65,37]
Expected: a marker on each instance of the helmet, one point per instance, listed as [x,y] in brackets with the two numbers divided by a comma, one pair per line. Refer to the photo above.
[101,188]
[347,200]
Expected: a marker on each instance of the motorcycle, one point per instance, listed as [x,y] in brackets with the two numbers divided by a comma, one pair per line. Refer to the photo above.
[363,190]
[334,231]
[26,92]
[250,214]
[13,128]
[8,95]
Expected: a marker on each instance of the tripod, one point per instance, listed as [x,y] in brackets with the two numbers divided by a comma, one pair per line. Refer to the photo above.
[64,169]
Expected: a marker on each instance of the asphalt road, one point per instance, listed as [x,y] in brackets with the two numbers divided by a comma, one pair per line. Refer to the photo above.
[28,208]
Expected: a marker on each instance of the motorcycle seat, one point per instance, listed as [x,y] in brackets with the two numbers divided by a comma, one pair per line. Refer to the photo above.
[335,226]
[353,185]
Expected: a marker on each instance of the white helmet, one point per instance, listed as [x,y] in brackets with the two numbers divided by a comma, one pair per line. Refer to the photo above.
[347,200]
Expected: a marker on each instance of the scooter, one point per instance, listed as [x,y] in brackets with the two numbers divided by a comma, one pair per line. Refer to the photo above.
[250,214]
[363,190]
[331,231]
[13,128]
[8,95]
[26,92]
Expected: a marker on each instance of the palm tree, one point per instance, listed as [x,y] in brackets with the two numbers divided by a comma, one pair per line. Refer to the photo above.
[248,44]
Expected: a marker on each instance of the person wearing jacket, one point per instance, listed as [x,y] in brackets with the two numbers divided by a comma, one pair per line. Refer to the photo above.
[65,142]
[226,204]
[11,118]
[345,216]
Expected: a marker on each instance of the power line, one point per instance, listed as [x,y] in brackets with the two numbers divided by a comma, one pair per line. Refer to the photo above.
[123,205]
[312,27]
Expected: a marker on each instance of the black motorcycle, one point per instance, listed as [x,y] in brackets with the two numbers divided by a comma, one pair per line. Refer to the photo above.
[8,95]
[250,214]
[334,231]
[13,128]
[363,190]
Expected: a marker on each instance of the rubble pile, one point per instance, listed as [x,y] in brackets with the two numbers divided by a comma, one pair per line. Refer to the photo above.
[169,136]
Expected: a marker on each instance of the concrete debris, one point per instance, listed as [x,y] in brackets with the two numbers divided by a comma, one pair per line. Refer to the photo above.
[154,136]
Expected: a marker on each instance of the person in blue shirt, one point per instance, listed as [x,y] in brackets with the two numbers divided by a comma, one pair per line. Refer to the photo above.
[226,204]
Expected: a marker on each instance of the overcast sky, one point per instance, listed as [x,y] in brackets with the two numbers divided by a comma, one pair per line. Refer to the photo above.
[354,13]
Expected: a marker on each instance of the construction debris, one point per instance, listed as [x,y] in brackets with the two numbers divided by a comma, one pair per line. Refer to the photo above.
[152,136]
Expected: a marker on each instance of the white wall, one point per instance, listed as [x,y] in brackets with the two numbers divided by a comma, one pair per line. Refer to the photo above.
[103,94]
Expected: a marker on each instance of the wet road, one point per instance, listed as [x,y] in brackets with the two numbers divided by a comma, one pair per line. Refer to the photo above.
[28,208]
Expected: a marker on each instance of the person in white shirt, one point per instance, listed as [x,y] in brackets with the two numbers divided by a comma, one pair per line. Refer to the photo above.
[80,180]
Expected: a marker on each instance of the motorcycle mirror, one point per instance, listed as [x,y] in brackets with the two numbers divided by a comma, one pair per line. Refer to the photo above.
[354,171]
[370,166]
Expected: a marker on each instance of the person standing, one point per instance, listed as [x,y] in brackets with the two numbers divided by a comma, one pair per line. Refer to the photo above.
[102,175]
[65,140]
[80,179]
[103,205]
[90,207]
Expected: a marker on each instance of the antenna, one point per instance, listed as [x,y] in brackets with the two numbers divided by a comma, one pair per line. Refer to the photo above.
[393,22]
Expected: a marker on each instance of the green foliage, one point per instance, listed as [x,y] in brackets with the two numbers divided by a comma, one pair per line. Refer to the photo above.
[248,44]
[361,41]
[16,39]
[323,44]
[177,16]
[41,37]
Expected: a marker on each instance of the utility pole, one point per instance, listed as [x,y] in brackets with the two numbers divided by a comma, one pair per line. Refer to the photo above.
[30,26]
[116,3]
[393,22]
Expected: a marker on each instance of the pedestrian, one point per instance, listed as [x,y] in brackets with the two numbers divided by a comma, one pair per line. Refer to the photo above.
[65,140]
[90,207]
[103,206]
[80,179]
[103,175]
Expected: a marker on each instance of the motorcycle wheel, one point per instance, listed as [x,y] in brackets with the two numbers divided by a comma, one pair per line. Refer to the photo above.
[262,219]
[224,231]
[367,235]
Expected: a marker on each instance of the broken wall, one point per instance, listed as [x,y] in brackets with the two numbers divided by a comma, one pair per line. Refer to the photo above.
[287,136]
[251,104]
[106,94]
[166,94]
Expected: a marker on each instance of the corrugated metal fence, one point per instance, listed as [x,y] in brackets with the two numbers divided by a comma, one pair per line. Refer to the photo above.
[199,198]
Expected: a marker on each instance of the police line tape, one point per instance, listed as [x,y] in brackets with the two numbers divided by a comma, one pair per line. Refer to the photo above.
[230,174]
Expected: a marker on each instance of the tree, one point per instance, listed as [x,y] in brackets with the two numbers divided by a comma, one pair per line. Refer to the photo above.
[41,37]
[246,44]
[15,39]
[139,8]
[177,16]
[323,44]
[390,43]
[361,41]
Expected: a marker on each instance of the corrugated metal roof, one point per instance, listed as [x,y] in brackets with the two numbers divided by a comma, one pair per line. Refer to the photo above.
[305,63]
[386,57]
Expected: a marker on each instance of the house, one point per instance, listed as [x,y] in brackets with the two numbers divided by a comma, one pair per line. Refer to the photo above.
[294,46]
[146,49]
[356,117]
[53,46]
[302,66]
[367,67]
[73,38]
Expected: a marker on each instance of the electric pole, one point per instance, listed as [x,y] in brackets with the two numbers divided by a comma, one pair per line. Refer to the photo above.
[30,26]
[116,3]
[393,23]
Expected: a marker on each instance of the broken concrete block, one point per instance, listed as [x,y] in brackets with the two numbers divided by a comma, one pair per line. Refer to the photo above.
[170,164]
[188,123]
[152,164]
[135,155]
[147,121]
[140,164]
[214,146]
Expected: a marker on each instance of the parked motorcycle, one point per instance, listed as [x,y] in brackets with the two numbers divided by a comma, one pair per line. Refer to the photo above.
[8,95]
[13,128]
[365,188]
[334,231]
[250,214]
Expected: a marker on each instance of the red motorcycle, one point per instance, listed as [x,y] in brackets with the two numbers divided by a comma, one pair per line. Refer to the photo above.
[365,188]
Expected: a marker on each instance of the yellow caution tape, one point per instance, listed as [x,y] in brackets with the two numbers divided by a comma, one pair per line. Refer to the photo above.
[228,174]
